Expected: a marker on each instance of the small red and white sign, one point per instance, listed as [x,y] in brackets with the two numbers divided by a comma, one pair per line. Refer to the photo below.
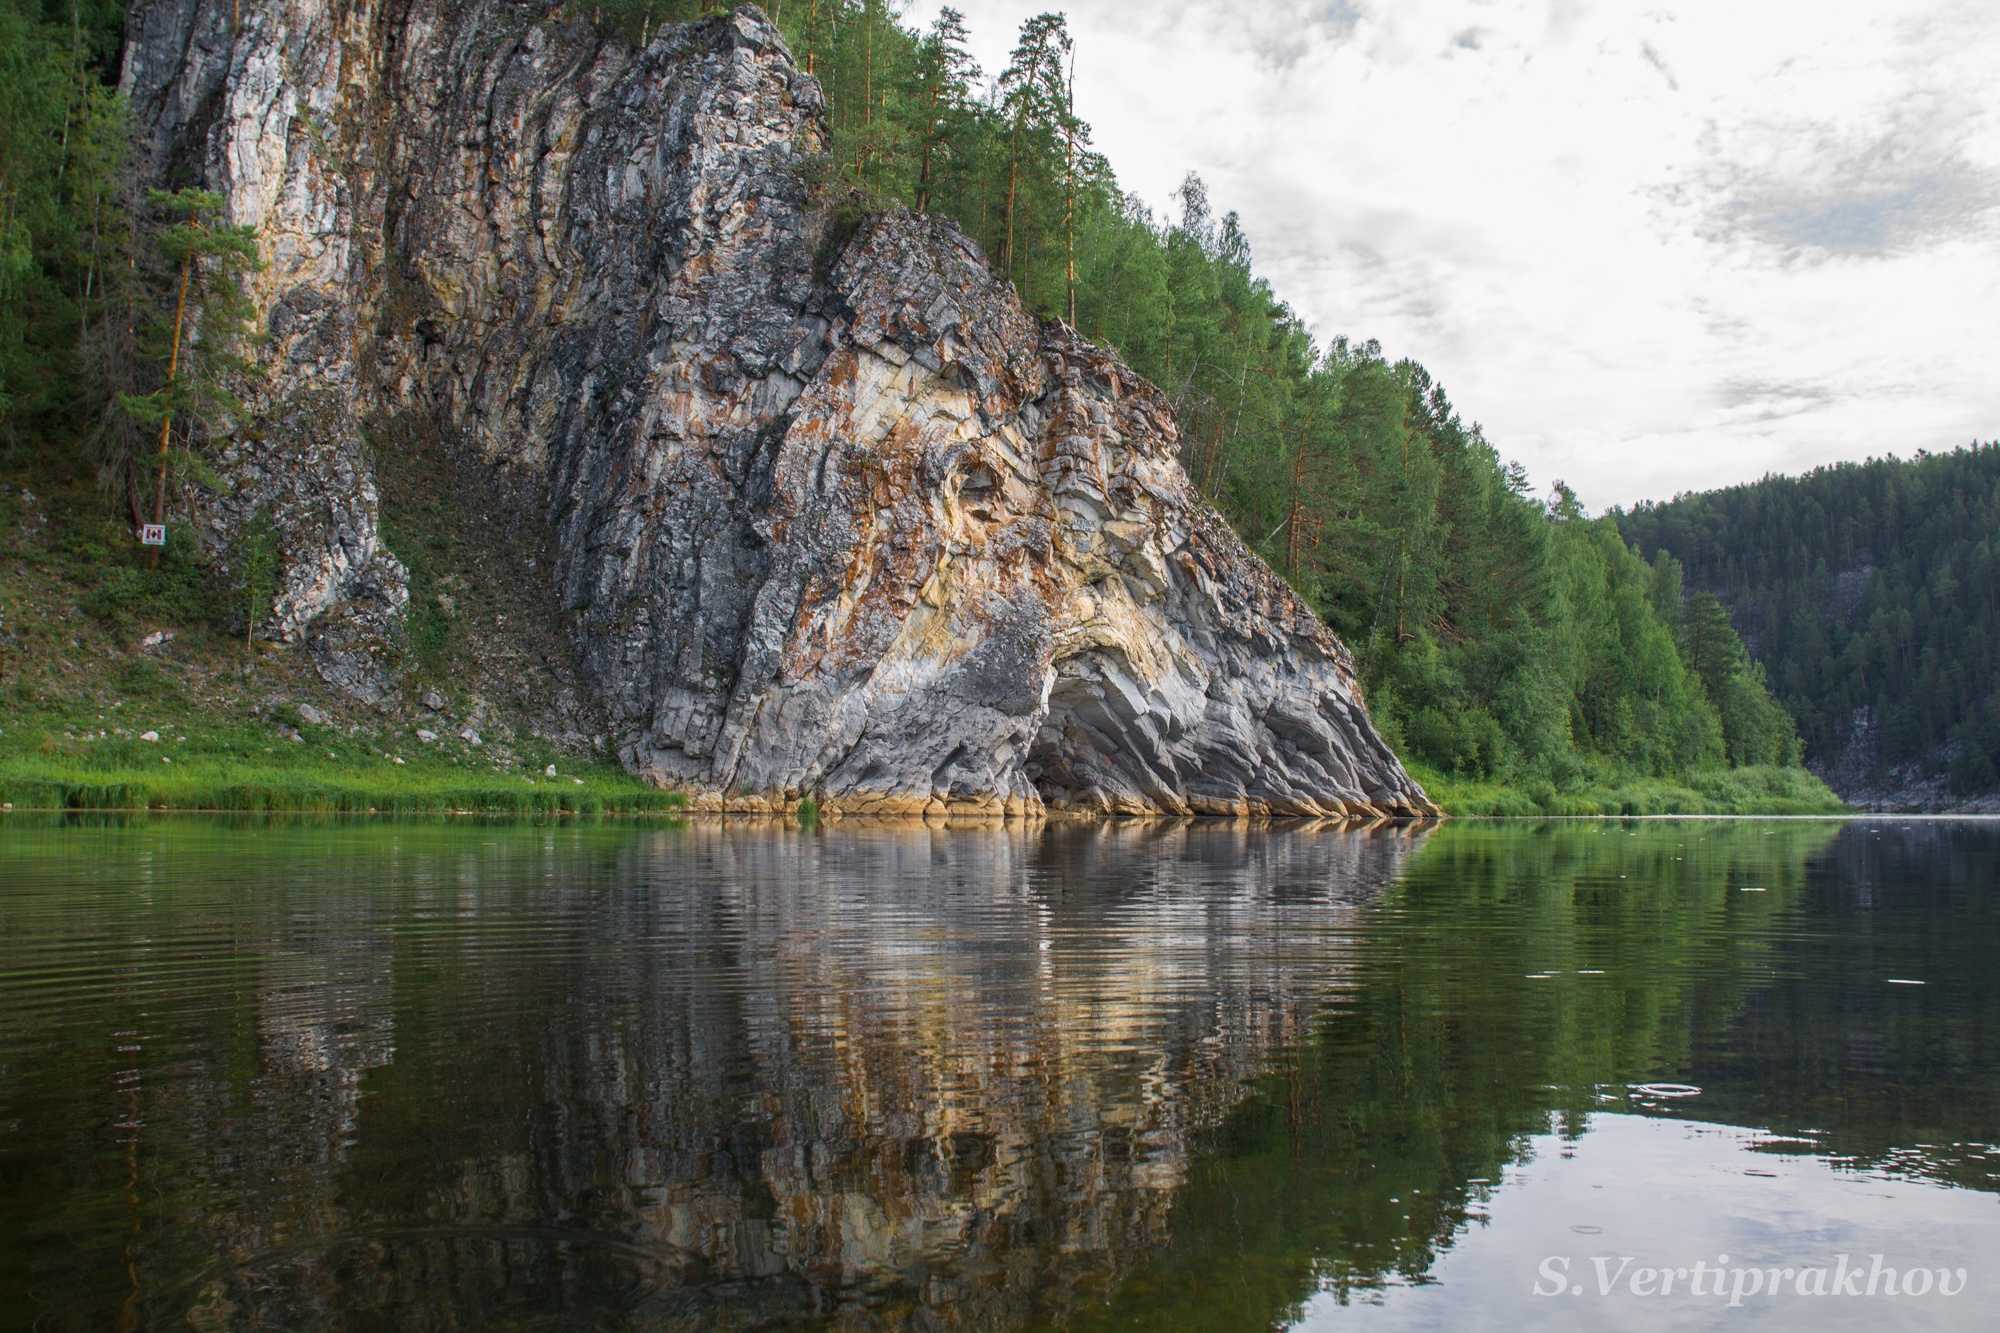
[152,534]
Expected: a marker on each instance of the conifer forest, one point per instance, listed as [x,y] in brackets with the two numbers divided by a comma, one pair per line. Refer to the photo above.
[1871,594]
[1503,636]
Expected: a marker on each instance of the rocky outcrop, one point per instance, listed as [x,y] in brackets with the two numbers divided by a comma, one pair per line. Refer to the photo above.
[831,520]
[1858,775]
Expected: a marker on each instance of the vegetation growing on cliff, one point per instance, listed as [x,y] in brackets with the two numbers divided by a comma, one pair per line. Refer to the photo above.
[1501,638]
[85,685]
[1871,591]
[1504,641]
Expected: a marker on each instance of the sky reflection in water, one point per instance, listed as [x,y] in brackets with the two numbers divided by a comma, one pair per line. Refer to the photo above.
[472,1076]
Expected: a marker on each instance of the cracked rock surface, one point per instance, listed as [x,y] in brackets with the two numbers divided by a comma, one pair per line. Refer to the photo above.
[830,520]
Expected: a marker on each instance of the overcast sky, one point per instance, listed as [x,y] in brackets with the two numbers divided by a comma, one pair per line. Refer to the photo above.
[1650,246]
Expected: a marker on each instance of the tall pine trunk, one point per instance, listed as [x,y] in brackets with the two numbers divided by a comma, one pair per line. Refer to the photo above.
[1069,196]
[167,421]
[1296,517]
[1013,183]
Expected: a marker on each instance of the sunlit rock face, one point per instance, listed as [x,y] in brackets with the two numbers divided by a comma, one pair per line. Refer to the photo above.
[835,518]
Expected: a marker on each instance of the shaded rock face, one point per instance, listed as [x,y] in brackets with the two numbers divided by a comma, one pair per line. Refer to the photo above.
[1857,775]
[833,520]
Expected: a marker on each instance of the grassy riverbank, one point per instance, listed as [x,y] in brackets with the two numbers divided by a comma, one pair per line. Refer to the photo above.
[90,757]
[97,651]
[1760,790]
[81,759]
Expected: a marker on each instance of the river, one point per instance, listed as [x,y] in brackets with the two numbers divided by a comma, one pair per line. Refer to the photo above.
[298,1074]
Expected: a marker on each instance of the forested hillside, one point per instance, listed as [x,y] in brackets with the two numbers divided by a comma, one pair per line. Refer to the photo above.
[1503,638]
[63,208]
[1871,593]
[1500,636]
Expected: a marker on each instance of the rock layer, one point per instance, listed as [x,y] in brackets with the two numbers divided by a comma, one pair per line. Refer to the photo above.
[839,521]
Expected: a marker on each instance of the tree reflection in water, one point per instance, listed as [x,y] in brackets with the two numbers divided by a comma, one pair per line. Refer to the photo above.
[724,1076]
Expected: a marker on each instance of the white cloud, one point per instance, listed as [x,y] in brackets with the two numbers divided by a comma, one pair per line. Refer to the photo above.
[1651,247]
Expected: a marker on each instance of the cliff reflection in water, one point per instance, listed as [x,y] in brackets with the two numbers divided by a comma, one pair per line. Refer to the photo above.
[900,1077]
[1149,1075]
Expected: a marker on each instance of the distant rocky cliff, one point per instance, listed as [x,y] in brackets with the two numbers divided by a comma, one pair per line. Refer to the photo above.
[833,516]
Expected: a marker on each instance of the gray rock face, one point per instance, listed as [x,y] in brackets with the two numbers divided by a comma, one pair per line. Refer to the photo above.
[843,524]
[1859,777]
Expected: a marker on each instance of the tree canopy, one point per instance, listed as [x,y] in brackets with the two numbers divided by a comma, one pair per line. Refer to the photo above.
[1870,593]
[1500,635]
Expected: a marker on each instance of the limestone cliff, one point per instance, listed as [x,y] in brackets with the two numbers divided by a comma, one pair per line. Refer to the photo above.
[830,520]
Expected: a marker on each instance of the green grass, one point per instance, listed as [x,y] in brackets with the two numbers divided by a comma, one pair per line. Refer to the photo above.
[259,768]
[1764,790]
[77,601]
[80,683]
[197,764]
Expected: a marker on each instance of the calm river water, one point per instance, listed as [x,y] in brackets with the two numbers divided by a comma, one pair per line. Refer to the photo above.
[297,1075]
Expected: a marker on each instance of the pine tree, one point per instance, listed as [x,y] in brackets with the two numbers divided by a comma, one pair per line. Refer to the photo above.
[190,342]
[1034,101]
[946,75]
